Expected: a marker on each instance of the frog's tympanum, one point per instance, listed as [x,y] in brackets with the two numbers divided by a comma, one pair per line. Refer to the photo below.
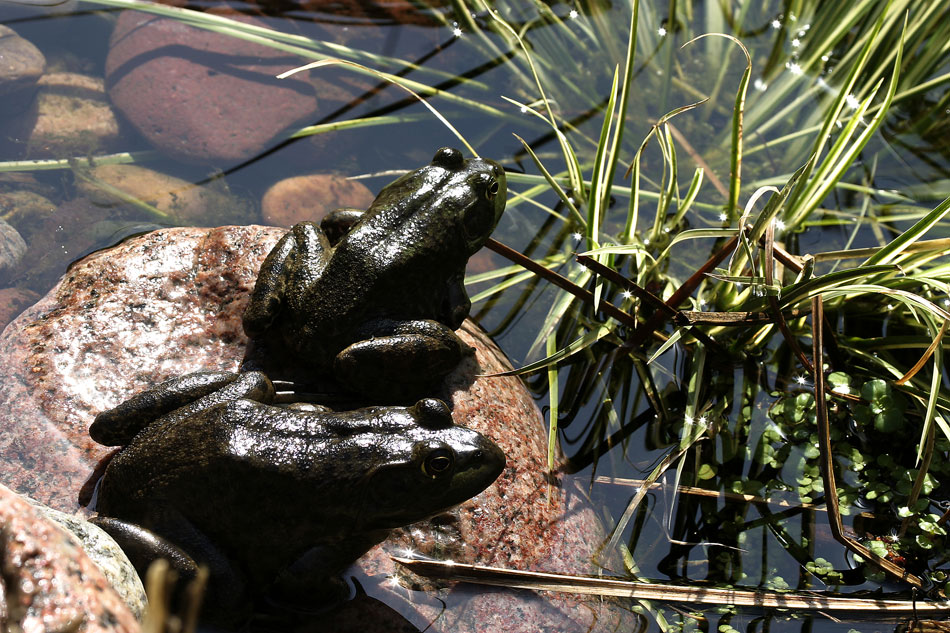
[274,499]
[373,299]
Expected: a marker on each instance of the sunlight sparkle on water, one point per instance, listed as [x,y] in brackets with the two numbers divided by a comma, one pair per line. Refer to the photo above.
[778,224]
[627,294]
[801,379]
[852,102]
[760,85]
[796,43]
[457,32]
[794,68]
[661,31]
[573,14]
[723,217]
[776,24]
[577,237]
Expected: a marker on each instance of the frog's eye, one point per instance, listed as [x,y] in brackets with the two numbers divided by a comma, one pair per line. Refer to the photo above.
[437,463]
[492,190]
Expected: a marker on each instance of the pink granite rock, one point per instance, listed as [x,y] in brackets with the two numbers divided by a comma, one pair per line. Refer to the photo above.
[170,302]
[202,96]
[47,583]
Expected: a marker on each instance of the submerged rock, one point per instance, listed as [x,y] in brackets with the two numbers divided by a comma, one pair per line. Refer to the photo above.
[48,582]
[23,64]
[311,197]
[13,301]
[170,302]
[202,96]
[26,211]
[12,249]
[183,202]
[70,116]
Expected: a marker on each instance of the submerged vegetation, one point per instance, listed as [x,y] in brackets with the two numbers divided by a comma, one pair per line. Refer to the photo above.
[693,186]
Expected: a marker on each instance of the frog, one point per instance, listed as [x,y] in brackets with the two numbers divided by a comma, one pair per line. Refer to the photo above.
[276,500]
[372,298]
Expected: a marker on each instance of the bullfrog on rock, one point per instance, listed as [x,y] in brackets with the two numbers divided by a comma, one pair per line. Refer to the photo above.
[275,500]
[373,298]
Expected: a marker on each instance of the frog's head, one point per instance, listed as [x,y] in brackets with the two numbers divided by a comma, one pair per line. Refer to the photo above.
[432,465]
[475,194]
[446,209]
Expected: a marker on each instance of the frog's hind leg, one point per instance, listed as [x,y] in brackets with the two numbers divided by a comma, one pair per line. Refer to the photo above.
[131,416]
[400,360]
[301,249]
[172,536]
[175,399]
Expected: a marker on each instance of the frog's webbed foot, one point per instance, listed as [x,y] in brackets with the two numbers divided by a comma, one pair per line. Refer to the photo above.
[176,399]
[400,360]
[338,223]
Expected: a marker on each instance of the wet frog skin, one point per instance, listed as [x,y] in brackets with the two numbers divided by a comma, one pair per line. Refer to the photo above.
[275,500]
[373,299]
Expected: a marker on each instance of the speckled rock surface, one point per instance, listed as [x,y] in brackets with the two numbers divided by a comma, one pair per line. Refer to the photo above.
[170,302]
[201,96]
[48,583]
[70,116]
[22,65]
[12,249]
[311,197]
[106,554]
[153,307]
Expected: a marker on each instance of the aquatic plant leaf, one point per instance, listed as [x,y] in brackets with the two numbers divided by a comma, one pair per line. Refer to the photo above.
[575,346]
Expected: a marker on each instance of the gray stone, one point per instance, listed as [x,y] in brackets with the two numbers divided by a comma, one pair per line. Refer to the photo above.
[12,249]
[106,554]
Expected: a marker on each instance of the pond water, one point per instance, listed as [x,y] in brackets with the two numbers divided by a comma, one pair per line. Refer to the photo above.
[618,415]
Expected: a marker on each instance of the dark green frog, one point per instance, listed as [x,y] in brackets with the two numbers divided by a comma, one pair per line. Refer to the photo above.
[373,299]
[275,500]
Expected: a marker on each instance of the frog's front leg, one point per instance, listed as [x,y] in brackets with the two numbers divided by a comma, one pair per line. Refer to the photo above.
[301,251]
[457,304]
[399,359]
[175,399]
[314,578]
